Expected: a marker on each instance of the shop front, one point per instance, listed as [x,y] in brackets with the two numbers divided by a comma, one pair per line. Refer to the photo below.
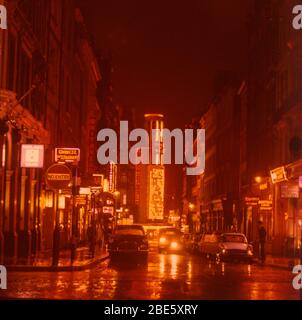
[288,209]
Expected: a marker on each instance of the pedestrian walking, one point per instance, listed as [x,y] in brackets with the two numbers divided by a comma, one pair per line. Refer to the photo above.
[262,240]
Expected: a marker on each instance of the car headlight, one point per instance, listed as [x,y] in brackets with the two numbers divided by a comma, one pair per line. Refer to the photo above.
[162,240]
[174,245]
[223,250]
[250,252]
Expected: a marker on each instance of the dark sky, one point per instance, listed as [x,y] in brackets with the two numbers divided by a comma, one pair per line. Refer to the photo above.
[166,53]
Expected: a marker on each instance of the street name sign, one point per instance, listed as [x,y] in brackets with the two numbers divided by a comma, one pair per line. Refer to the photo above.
[67,155]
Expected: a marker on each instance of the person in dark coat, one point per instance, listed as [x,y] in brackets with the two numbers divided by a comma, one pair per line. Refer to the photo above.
[262,240]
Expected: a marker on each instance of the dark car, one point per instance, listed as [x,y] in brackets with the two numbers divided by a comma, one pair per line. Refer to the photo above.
[128,240]
[170,240]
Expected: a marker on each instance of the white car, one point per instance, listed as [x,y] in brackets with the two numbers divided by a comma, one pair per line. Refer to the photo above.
[226,246]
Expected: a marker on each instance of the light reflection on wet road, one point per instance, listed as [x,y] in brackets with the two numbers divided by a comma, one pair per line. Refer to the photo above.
[163,277]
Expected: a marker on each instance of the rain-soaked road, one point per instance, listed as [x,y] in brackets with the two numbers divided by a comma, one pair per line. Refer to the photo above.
[163,277]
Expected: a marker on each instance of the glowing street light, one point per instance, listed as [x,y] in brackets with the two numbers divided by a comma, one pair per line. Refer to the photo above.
[258,179]
[192,206]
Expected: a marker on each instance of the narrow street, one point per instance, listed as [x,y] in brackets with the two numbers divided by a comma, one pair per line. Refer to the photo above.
[170,130]
[163,277]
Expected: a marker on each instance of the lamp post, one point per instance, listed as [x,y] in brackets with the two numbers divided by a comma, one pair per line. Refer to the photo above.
[56,234]
[116,197]
[93,224]
[75,192]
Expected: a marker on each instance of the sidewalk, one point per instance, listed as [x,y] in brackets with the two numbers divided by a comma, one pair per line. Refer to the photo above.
[281,262]
[43,261]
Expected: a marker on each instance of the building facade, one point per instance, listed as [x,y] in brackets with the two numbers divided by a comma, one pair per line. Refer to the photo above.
[254,138]
[48,81]
[274,98]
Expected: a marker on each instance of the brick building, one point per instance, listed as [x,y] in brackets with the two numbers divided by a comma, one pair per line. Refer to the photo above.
[48,80]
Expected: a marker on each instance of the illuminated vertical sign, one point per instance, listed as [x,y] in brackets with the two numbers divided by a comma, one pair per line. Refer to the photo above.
[156,193]
[106,185]
[112,177]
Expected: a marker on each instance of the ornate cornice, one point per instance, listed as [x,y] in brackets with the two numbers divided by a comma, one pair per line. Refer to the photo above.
[18,116]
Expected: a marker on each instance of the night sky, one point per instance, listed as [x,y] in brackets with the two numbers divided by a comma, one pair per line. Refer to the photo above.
[167,53]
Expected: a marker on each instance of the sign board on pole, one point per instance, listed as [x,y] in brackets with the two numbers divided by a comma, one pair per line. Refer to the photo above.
[81,200]
[32,156]
[85,191]
[278,175]
[98,179]
[58,177]
[67,155]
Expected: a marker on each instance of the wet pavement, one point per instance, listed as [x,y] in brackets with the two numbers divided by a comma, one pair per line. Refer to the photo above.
[164,276]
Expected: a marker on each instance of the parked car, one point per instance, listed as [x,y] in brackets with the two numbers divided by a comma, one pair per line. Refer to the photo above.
[128,240]
[170,240]
[227,246]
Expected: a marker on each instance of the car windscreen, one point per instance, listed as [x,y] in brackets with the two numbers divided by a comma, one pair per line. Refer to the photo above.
[130,231]
[169,233]
[233,238]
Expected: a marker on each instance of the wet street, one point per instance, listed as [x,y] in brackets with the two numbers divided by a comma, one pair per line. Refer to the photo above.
[163,277]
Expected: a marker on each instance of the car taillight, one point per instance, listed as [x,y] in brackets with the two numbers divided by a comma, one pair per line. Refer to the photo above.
[162,240]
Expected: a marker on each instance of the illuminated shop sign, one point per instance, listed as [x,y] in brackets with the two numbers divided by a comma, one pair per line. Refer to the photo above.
[156,194]
[112,177]
[81,200]
[290,191]
[85,191]
[32,156]
[108,210]
[265,204]
[67,155]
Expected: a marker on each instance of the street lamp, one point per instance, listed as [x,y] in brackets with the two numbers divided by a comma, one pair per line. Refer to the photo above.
[191,207]
[258,179]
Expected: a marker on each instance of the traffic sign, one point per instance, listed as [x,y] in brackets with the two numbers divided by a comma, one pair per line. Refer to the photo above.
[58,177]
